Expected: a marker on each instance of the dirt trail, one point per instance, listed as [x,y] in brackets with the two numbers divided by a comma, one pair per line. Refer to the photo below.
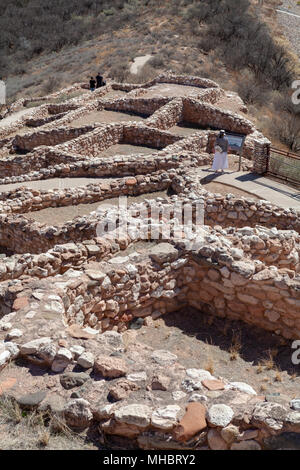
[7,121]
[139,63]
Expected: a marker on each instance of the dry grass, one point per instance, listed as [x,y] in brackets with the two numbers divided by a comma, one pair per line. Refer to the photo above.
[209,365]
[9,411]
[236,346]
[278,376]
[268,362]
[22,429]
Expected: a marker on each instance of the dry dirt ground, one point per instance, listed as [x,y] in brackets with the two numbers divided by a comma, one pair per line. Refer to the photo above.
[236,351]
[127,149]
[105,117]
[225,189]
[60,215]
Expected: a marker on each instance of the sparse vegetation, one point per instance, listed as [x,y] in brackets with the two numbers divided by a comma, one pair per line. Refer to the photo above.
[209,365]
[58,44]
[236,346]
[42,429]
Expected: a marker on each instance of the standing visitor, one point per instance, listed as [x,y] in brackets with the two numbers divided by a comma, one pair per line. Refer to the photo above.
[99,79]
[221,149]
[92,84]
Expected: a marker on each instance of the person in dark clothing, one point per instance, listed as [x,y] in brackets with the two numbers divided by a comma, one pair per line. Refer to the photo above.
[92,84]
[99,79]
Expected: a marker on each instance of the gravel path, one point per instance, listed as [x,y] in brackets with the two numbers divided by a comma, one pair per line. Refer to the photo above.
[290,23]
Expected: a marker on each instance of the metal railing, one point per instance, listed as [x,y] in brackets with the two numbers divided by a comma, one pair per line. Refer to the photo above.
[284,165]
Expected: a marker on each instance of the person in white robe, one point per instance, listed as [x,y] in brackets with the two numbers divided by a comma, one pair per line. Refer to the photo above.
[221,149]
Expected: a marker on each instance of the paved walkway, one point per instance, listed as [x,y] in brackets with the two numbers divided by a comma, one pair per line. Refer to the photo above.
[288,16]
[260,186]
[265,188]
[288,13]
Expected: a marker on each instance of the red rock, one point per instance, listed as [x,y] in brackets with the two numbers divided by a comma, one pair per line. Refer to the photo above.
[111,426]
[131,182]
[20,302]
[122,389]
[7,384]
[77,332]
[215,440]
[213,384]
[112,367]
[192,423]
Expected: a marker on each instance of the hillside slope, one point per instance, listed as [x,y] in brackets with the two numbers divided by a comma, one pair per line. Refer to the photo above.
[47,46]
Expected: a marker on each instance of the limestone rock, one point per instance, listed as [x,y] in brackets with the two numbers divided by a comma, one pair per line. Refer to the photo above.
[164,358]
[219,415]
[14,334]
[242,387]
[77,350]
[4,358]
[32,347]
[270,415]
[86,360]
[136,414]
[295,404]
[160,382]
[111,367]
[230,433]
[77,413]
[166,417]
[122,389]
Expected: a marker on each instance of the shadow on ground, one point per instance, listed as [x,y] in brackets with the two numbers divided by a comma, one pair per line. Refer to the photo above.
[255,343]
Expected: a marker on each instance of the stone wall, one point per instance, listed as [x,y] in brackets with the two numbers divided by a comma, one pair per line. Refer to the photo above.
[207,115]
[241,212]
[273,247]
[48,165]
[22,235]
[39,122]
[51,137]
[142,106]
[167,116]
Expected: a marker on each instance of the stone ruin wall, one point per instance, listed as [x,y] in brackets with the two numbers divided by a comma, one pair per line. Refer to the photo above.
[51,137]
[207,280]
[248,272]
[21,235]
[255,148]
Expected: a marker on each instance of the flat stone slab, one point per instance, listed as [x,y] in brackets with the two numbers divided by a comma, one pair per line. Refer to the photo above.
[73,379]
[31,400]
